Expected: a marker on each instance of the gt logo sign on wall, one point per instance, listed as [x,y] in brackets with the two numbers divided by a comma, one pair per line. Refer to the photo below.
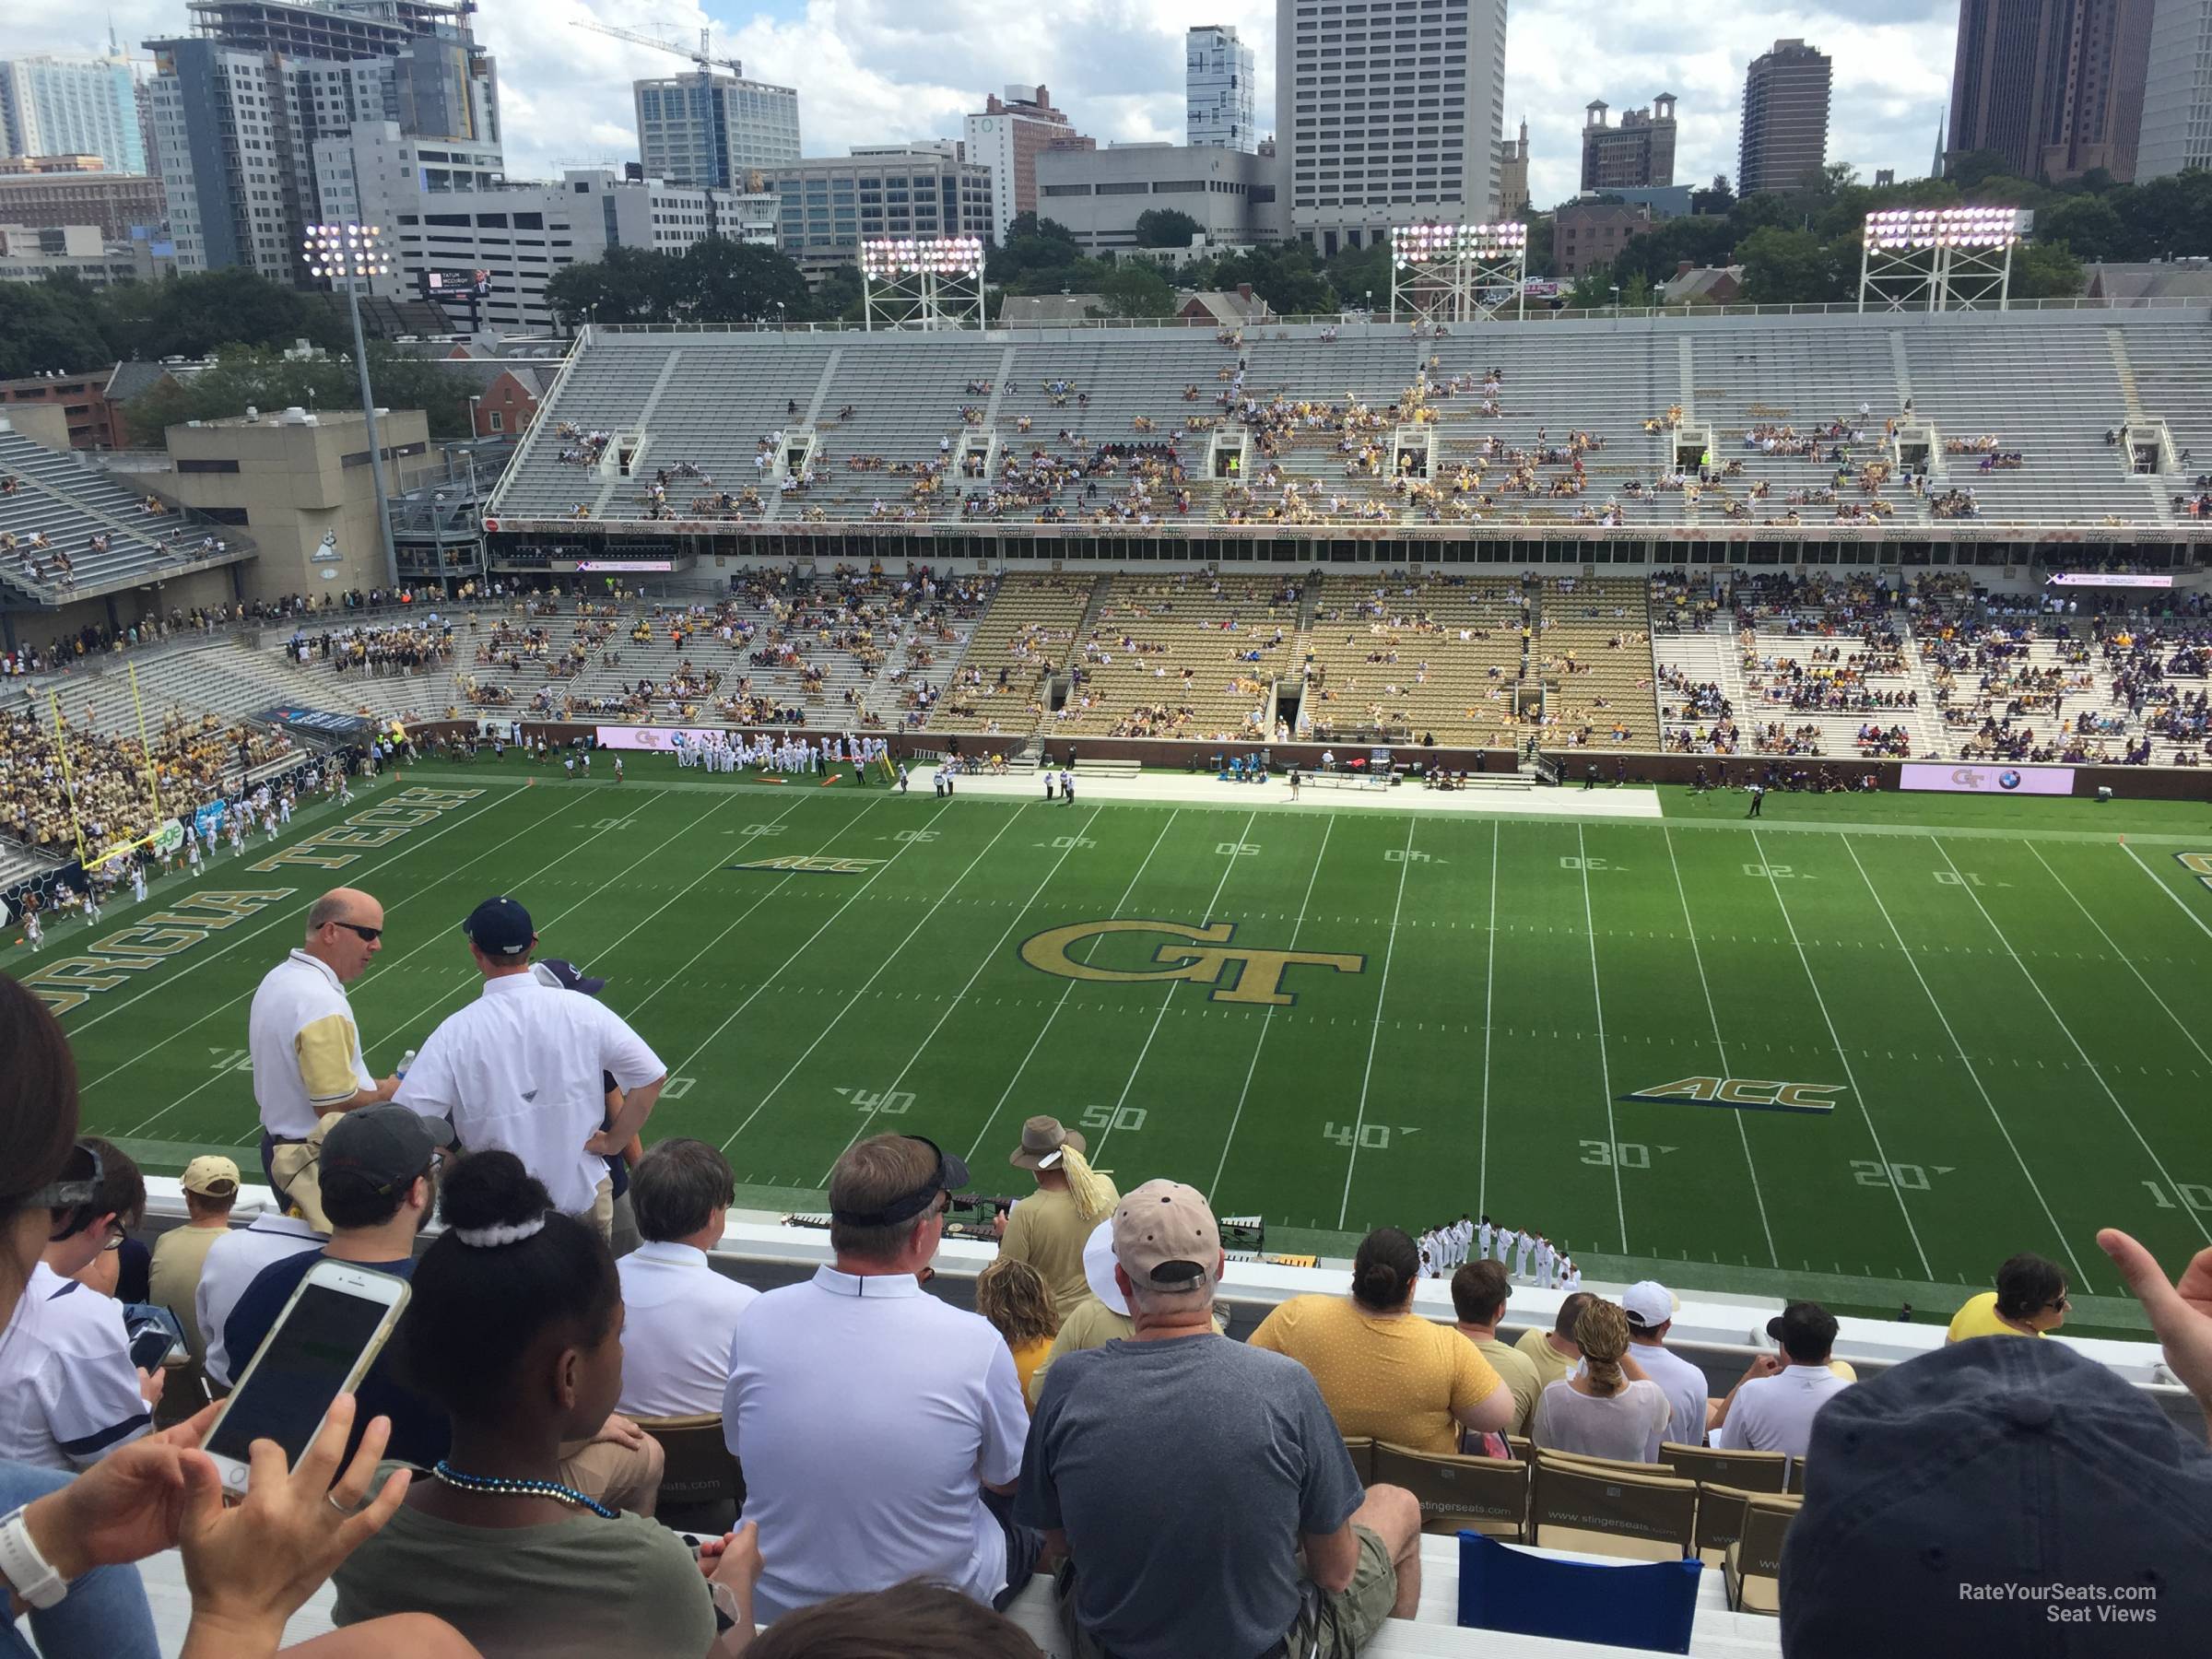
[1237,973]
[1988,779]
[1751,1094]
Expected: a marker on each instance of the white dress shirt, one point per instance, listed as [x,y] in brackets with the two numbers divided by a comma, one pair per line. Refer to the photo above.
[519,1069]
[868,1414]
[235,1260]
[68,1391]
[1685,1387]
[676,1339]
[1775,1414]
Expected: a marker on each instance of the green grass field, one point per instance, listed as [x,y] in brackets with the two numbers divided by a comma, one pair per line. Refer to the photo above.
[1993,1011]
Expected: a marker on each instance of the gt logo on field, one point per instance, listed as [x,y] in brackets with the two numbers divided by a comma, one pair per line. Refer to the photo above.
[1237,973]
[810,863]
[2199,865]
[1752,1094]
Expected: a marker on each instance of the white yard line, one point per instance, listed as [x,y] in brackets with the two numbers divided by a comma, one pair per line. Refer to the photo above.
[281,918]
[1959,1049]
[2202,926]
[1489,984]
[1849,1075]
[1605,1063]
[1227,865]
[1328,827]
[1366,1076]
[2094,1070]
[1720,1046]
[778,972]
[990,956]
[1067,991]
[2180,1024]
[405,1021]
[852,1001]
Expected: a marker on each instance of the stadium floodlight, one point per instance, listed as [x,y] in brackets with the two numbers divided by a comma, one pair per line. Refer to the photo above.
[1454,272]
[926,282]
[1940,258]
[350,254]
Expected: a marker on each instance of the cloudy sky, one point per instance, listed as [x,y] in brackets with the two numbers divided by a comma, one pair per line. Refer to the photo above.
[878,70]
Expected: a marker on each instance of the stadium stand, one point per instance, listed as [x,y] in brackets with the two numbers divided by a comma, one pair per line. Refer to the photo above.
[70,531]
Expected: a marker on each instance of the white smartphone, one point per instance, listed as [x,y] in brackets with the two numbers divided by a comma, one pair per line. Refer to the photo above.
[324,1343]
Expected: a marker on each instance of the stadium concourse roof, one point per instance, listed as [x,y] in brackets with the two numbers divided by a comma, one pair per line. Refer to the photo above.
[2163,280]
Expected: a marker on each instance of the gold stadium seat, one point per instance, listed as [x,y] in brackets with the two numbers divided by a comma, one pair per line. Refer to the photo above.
[1603,1464]
[1643,1517]
[1751,1471]
[1487,1495]
[1720,1519]
[1753,1564]
[1362,1452]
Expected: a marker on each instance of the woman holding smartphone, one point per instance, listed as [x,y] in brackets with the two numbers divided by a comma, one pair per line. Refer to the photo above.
[65,1544]
[516,1328]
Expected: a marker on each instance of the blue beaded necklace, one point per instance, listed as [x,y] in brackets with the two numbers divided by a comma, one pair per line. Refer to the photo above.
[503,1486]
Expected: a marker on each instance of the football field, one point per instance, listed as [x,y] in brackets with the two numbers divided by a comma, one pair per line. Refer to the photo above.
[1862,1049]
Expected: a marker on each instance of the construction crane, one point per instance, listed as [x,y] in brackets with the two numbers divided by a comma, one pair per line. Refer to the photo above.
[704,57]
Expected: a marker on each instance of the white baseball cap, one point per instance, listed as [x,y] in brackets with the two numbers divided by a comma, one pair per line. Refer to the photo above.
[1649,1304]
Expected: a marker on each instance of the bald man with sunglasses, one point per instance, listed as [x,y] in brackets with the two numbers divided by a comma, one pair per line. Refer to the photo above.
[306,1047]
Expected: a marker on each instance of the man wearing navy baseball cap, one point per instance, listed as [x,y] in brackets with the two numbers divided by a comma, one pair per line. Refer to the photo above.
[521,1068]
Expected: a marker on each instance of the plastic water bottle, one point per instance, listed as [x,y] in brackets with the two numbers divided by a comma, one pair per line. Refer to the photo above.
[406,1060]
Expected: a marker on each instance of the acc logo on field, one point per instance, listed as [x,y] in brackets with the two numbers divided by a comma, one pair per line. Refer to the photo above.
[1753,1094]
[1253,974]
[2199,865]
[810,863]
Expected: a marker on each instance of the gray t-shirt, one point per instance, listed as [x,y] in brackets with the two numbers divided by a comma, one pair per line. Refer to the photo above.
[1183,1472]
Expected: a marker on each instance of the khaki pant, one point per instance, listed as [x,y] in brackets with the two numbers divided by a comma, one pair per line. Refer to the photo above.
[295,1167]
[602,1213]
[623,1477]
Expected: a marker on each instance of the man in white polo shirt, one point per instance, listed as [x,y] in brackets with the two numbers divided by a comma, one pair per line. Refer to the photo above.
[306,1048]
[1773,1409]
[521,1068]
[680,1312]
[1651,1310]
[880,1429]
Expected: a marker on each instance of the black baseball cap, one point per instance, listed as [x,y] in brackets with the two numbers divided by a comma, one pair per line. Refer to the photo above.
[500,927]
[1959,1500]
[950,1175]
[1806,1330]
[568,976]
[385,1146]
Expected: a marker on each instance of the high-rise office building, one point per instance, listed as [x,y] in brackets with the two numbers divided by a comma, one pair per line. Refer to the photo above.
[1217,92]
[1007,137]
[1388,117]
[828,205]
[2055,86]
[70,107]
[2177,90]
[1785,119]
[1639,152]
[240,107]
[1512,174]
[693,130]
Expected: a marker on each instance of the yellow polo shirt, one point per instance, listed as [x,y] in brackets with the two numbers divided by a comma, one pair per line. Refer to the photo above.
[1978,1318]
[1551,1365]
[1391,1377]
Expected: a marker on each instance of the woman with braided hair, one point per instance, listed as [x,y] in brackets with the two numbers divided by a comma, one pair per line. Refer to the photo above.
[1608,1407]
[1049,1229]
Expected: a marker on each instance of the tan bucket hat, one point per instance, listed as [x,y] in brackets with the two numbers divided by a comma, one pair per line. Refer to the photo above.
[1042,1139]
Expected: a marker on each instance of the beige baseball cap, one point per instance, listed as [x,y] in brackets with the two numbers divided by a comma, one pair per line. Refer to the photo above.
[211,1176]
[1165,1237]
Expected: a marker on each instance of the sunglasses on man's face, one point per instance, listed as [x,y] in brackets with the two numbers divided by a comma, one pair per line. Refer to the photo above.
[368,935]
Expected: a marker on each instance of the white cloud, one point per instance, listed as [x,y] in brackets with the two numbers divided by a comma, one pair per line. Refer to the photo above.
[887,70]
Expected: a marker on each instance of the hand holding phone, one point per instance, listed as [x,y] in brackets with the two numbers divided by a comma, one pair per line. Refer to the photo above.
[251,1565]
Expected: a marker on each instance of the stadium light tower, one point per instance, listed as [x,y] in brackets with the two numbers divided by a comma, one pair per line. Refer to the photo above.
[350,254]
[929,282]
[1458,273]
[1940,258]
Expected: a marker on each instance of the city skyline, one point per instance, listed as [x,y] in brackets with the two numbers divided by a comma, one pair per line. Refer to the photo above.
[867,73]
